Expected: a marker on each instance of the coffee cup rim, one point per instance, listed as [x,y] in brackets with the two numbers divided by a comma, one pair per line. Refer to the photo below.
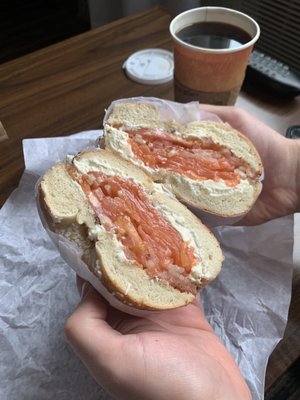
[212,10]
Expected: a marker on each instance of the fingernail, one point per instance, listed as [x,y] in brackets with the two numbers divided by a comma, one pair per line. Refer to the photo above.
[84,289]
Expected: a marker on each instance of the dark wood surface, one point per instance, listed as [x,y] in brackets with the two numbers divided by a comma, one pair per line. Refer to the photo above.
[26,26]
[65,88]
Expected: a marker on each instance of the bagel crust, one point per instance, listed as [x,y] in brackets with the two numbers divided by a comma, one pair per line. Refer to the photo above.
[68,211]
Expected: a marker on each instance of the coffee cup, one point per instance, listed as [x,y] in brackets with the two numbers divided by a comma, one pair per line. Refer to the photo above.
[212,46]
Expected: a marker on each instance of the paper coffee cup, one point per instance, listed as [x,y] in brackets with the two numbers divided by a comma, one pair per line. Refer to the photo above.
[207,73]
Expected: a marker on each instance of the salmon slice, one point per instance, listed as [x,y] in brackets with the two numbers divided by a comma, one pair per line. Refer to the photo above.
[195,158]
[148,237]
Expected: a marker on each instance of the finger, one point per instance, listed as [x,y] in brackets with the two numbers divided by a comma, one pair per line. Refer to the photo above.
[219,110]
[95,342]
[226,113]
[190,316]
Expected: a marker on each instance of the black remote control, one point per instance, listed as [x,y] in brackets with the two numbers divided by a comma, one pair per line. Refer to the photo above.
[293,132]
[273,74]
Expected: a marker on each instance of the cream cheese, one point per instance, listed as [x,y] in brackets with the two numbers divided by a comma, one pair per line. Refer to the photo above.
[94,164]
[118,141]
[95,231]
[98,233]
[85,165]
[201,269]
[211,187]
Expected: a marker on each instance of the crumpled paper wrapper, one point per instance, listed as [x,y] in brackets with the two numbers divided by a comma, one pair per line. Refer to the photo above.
[181,112]
[247,304]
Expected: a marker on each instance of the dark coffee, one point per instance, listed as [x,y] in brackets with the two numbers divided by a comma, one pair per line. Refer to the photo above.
[214,35]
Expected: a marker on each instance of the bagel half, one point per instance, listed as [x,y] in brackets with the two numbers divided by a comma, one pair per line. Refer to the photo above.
[108,209]
[218,170]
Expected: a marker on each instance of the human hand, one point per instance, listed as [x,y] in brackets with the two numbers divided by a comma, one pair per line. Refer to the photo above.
[281,159]
[169,355]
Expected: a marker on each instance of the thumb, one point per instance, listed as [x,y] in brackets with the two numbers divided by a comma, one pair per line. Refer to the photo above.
[88,333]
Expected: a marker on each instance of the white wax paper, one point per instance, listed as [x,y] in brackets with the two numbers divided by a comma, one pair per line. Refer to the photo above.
[247,304]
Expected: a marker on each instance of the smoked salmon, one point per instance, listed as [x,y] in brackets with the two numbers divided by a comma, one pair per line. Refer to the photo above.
[149,238]
[193,157]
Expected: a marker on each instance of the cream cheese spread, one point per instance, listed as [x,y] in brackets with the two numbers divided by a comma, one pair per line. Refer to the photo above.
[201,269]
[118,141]
[95,231]
[94,164]
[211,187]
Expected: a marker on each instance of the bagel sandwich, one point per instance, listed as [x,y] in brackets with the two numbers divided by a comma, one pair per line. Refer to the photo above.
[141,247]
[207,165]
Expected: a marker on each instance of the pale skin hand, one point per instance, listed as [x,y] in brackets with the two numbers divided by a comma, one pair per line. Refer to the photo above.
[176,355]
[281,159]
[173,355]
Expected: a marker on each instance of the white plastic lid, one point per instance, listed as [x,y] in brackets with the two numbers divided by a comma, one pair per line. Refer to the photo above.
[150,66]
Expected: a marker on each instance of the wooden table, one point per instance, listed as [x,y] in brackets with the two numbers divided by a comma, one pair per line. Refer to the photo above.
[65,88]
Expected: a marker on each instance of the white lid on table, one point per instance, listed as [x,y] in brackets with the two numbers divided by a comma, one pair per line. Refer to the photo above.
[150,66]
